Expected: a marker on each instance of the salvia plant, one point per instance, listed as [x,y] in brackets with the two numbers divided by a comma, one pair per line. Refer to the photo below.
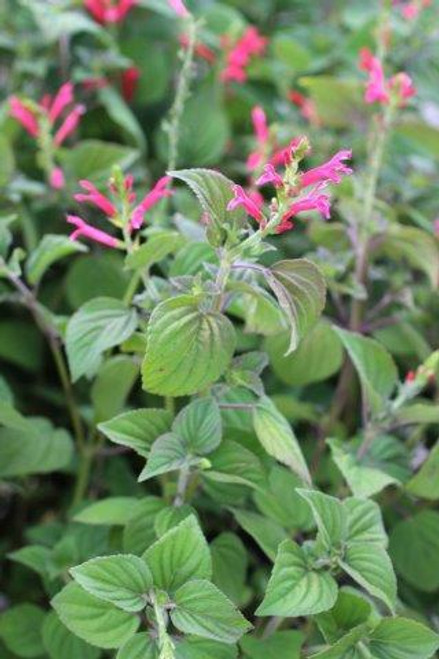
[219,268]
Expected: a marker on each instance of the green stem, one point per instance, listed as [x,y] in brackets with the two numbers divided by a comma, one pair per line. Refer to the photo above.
[182,483]
[181,95]
[166,646]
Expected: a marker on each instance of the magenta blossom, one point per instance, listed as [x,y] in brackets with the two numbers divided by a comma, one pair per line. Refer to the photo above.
[86,230]
[109,11]
[24,116]
[315,200]
[270,177]
[96,198]
[179,7]
[333,170]
[251,205]
[159,191]
[249,45]
[380,90]
[56,179]
[262,135]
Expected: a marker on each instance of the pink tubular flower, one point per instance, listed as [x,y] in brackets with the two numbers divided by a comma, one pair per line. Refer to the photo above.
[251,205]
[84,229]
[404,86]
[376,89]
[57,180]
[96,198]
[69,124]
[109,11]
[24,116]
[436,227]
[250,44]
[158,192]
[179,7]
[270,177]
[129,80]
[63,98]
[260,128]
[283,157]
[315,200]
[333,170]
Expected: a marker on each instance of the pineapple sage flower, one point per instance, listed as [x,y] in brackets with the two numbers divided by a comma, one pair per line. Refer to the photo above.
[296,191]
[41,119]
[120,208]
[251,44]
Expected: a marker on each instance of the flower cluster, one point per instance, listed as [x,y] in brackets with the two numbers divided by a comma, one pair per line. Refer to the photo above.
[121,210]
[109,11]
[296,191]
[40,119]
[380,90]
[238,58]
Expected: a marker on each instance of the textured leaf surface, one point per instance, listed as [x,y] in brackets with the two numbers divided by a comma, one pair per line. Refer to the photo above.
[301,292]
[137,429]
[187,349]
[98,325]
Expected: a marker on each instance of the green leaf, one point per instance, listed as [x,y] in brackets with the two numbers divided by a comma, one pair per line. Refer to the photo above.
[20,630]
[187,349]
[229,566]
[281,502]
[346,647]
[112,386]
[385,463]
[350,610]
[95,621]
[97,326]
[137,429]
[277,645]
[123,116]
[401,638]
[267,533]
[301,292]
[99,274]
[214,191]
[195,647]
[37,448]
[139,532]
[94,160]
[233,463]
[277,437]
[374,365]
[51,248]
[425,483]
[371,567]
[414,548]
[364,522]
[339,102]
[113,511]
[155,249]
[35,557]
[416,246]
[59,642]
[139,646]
[122,579]
[199,426]
[318,356]
[295,588]
[422,413]
[330,517]
[203,610]
[168,453]
[179,555]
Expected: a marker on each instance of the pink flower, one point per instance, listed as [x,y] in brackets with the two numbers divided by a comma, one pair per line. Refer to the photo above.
[436,226]
[24,116]
[270,176]
[307,107]
[284,156]
[315,200]
[179,8]
[376,89]
[251,205]
[96,198]
[259,120]
[158,192]
[410,11]
[84,229]
[403,84]
[109,11]
[333,170]
[63,98]
[250,44]
[69,125]
[57,180]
